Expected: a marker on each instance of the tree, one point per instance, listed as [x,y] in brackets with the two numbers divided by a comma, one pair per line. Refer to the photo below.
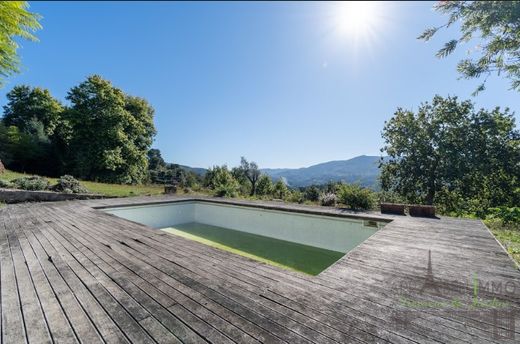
[453,156]
[221,181]
[264,186]
[155,159]
[251,171]
[112,132]
[498,24]
[15,21]
[312,193]
[280,189]
[26,105]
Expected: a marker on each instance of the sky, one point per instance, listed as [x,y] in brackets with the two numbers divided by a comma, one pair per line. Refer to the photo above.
[283,84]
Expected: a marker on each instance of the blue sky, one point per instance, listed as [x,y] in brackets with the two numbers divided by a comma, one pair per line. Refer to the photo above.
[275,82]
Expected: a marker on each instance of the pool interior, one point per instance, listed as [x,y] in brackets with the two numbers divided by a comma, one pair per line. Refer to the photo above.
[282,253]
[304,242]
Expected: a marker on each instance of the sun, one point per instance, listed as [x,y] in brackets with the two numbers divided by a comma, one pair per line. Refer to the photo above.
[356,18]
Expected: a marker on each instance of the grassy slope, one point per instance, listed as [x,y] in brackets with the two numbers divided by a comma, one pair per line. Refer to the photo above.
[508,235]
[114,190]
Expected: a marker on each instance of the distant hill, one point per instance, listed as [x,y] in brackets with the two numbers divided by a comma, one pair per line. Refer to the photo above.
[197,170]
[362,169]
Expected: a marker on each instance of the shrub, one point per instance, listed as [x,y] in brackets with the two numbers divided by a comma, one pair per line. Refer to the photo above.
[2,167]
[506,215]
[280,189]
[264,185]
[295,196]
[227,190]
[5,184]
[356,197]
[33,183]
[69,184]
[312,193]
[328,199]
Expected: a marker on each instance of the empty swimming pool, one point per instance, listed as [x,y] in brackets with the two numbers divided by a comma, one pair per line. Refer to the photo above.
[300,241]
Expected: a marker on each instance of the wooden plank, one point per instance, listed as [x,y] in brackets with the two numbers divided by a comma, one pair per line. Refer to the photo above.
[82,310]
[195,307]
[13,328]
[179,248]
[34,320]
[227,297]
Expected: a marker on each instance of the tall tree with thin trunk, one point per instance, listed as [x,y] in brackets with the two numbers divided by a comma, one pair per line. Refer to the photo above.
[251,171]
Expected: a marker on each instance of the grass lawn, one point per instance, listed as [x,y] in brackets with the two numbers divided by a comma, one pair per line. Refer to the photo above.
[308,259]
[508,235]
[113,190]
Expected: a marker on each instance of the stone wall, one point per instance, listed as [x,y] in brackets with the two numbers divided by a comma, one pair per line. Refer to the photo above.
[19,196]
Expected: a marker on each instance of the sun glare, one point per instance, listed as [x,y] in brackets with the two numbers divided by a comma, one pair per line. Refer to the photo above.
[356,18]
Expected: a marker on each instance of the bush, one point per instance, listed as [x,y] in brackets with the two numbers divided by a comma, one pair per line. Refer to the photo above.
[33,183]
[68,184]
[356,197]
[280,189]
[5,184]
[227,190]
[312,194]
[264,185]
[328,199]
[295,196]
[2,167]
[506,215]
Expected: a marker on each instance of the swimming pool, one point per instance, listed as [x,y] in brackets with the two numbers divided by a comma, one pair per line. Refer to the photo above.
[296,240]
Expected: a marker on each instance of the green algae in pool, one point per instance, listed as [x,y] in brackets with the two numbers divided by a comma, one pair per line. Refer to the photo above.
[303,258]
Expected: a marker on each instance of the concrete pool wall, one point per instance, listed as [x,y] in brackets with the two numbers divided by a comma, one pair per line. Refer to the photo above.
[327,232]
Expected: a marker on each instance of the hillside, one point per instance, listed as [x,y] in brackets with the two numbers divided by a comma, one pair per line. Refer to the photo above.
[362,169]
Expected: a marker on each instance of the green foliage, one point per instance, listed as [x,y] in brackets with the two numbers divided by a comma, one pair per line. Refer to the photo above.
[23,151]
[26,105]
[295,196]
[249,171]
[15,21]
[69,184]
[221,181]
[5,184]
[155,160]
[453,156]
[356,197]
[328,199]
[506,215]
[112,132]
[498,25]
[265,185]
[508,234]
[280,189]
[312,193]
[33,183]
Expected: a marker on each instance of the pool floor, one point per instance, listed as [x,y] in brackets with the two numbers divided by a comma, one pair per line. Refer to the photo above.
[303,258]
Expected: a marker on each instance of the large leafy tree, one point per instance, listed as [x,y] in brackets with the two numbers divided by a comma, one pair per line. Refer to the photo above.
[111,132]
[449,154]
[33,117]
[15,21]
[27,104]
[498,25]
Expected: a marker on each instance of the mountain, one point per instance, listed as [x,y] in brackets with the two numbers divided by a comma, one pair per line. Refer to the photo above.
[197,170]
[362,169]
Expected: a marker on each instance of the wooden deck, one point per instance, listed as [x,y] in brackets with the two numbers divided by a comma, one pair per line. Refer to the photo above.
[72,273]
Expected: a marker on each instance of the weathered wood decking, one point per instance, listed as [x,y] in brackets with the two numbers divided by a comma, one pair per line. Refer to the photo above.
[72,273]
